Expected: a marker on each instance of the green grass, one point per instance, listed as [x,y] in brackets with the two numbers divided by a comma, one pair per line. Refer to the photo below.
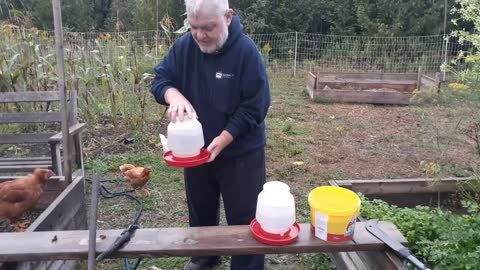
[337,175]
[324,100]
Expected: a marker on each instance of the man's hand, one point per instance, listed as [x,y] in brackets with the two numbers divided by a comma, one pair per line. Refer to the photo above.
[178,105]
[218,144]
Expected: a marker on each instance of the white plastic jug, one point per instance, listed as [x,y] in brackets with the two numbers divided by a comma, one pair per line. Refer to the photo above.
[185,138]
[275,208]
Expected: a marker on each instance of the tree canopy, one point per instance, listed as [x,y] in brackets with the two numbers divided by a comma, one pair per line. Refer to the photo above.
[348,17]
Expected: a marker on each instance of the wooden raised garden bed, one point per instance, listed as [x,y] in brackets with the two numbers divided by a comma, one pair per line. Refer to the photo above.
[375,88]
[66,212]
[404,192]
[400,192]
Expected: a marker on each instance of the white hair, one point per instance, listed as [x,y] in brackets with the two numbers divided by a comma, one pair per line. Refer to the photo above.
[213,7]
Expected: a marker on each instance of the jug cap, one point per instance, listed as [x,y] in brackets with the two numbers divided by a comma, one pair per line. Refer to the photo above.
[276,185]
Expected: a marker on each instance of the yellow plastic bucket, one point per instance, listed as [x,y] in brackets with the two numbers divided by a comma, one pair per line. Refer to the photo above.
[333,211]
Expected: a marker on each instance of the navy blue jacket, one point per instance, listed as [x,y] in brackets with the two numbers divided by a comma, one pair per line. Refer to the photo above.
[229,89]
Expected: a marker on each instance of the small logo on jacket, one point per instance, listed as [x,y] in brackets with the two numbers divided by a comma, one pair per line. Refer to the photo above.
[220,75]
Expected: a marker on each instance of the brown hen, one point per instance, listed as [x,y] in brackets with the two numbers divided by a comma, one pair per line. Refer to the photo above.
[19,195]
[137,177]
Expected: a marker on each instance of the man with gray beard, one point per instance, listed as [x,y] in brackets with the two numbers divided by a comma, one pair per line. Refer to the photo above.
[216,73]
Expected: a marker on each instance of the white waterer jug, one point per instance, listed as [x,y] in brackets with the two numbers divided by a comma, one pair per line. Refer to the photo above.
[275,208]
[185,138]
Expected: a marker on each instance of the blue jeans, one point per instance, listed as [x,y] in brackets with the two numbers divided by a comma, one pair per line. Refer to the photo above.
[239,180]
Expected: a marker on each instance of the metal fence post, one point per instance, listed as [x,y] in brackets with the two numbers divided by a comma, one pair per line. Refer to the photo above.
[295,59]
[446,58]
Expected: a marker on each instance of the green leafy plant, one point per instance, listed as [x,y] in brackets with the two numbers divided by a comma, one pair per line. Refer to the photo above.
[423,96]
[444,239]
[265,52]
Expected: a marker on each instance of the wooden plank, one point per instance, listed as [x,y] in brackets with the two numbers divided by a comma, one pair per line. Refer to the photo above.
[412,199]
[68,112]
[419,76]
[51,181]
[344,184]
[198,241]
[64,209]
[312,80]
[428,82]
[348,261]
[42,265]
[25,158]
[402,186]
[73,130]
[376,260]
[72,107]
[402,86]
[23,168]
[25,138]
[356,96]
[36,117]
[20,162]
[56,158]
[364,237]
[366,75]
[29,96]
[78,151]
[311,84]
[354,81]
[310,92]
[38,265]
[394,260]
[62,265]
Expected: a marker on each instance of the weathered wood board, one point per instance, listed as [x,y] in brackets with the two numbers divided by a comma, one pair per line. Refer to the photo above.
[374,88]
[198,241]
[404,192]
[40,109]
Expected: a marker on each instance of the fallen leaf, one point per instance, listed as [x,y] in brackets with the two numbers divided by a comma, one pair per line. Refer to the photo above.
[339,129]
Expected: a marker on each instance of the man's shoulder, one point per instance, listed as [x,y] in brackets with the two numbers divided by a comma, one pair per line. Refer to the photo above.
[246,45]
[184,40]
[247,42]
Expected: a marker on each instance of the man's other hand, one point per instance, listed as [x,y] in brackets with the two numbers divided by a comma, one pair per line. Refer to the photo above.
[178,105]
[218,144]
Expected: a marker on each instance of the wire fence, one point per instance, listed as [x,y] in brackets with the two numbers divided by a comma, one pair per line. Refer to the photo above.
[292,52]
[298,52]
